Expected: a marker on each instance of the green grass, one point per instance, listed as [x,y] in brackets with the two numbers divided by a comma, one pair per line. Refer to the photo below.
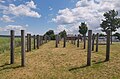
[49,62]
[5,44]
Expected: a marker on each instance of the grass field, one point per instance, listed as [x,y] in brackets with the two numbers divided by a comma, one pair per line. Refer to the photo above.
[49,62]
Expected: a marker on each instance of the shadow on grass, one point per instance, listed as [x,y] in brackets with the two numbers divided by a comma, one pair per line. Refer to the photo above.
[7,66]
[4,65]
[75,68]
[84,66]
[101,62]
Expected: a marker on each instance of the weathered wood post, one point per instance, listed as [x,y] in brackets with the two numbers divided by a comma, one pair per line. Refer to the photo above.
[58,39]
[84,41]
[108,46]
[27,42]
[45,37]
[34,38]
[89,48]
[97,36]
[71,40]
[37,41]
[93,38]
[78,38]
[40,41]
[74,39]
[64,41]
[22,48]
[56,45]
[12,46]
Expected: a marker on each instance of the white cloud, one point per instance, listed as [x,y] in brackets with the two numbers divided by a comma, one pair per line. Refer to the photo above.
[90,11]
[22,10]
[14,27]
[2,1]
[6,18]
[31,4]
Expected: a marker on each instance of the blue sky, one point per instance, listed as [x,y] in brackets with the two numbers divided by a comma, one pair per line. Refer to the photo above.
[38,16]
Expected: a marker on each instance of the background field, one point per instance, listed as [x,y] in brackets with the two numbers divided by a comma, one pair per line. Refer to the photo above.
[49,62]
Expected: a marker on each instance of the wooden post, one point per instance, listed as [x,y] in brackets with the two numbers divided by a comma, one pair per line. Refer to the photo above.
[45,37]
[78,41]
[97,36]
[64,41]
[37,41]
[89,48]
[34,38]
[22,48]
[108,46]
[27,42]
[74,39]
[84,41]
[71,40]
[93,38]
[40,40]
[12,47]
[56,41]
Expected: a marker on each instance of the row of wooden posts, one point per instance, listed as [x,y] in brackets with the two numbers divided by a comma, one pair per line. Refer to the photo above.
[37,40]
[90,47]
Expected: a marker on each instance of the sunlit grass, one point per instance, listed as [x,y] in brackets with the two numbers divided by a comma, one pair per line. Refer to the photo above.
[49,62]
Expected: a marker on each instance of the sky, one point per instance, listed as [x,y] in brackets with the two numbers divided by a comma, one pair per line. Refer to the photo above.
[39,16]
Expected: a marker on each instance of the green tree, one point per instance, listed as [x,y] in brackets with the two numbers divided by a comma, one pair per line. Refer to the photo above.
[51,34]
[110,22]
[83,30]
[62,33]
[101,34]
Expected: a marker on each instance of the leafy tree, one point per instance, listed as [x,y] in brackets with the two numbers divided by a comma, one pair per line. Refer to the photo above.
[101,34]
[62,33]
[110,22]
[51,34]
[83,30]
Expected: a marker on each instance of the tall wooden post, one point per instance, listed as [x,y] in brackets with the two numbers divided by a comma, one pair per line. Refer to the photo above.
[45,37]
[89,48]
[97,37]
[12,47]
[56,41]
[93,38]
[27,42]
[40,40]
[71,40]
[37,41]
[64,41]
[74,39]
[84,41]
[22,48]
[34,38]
[108,46]
[78,41]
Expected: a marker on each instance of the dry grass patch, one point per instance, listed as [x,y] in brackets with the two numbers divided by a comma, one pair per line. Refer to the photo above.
[49,62]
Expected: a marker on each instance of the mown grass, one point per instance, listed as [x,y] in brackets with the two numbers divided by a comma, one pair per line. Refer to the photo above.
[49,62]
